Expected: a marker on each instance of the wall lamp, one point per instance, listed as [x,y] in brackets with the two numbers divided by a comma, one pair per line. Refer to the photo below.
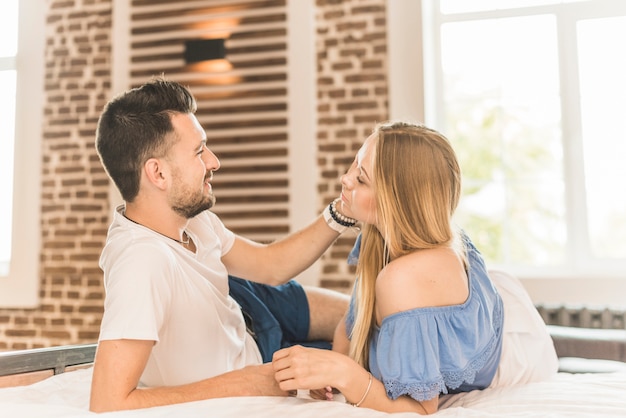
[197,50]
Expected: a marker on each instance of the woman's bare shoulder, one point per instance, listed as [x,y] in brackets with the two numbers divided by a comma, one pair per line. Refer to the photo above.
[425,278]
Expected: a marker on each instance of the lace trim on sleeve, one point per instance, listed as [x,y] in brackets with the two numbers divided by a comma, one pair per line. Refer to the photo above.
[447,379]
[418,391]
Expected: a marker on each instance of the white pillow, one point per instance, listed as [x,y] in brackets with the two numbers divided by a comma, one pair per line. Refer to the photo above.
[528,353]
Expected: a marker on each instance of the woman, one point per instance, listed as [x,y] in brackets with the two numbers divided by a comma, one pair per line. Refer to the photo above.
[424,319]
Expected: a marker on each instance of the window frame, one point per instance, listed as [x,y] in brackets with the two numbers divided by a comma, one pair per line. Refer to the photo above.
[20,288]
[417,96]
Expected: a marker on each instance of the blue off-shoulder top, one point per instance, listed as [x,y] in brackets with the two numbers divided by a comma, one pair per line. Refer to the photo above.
[429,351]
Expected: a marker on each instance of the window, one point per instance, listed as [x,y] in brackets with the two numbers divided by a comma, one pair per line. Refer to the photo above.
[533,96]
[8,51]
[21,82]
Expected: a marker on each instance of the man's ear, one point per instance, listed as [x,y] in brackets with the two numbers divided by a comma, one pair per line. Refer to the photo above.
[155,171]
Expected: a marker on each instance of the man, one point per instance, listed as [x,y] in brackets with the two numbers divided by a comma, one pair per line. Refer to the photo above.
[170,331]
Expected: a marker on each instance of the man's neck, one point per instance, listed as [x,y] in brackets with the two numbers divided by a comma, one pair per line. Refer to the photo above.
[164,221]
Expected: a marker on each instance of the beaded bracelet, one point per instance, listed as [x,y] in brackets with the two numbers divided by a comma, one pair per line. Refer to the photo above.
[336,220]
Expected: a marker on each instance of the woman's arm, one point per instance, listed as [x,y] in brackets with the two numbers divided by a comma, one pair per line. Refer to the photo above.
[309,368]
[341,343]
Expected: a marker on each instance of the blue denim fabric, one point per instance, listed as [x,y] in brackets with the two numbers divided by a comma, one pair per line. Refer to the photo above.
[276,316]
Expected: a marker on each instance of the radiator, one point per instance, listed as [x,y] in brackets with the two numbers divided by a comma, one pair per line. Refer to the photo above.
[584,317]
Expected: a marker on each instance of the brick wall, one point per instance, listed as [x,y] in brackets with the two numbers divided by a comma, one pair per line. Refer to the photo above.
[352,96]
[74,201]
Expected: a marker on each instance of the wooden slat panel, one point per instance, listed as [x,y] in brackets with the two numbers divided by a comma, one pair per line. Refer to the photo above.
[243,109]
[242,138]
[259,36]
[224,7]
[191,25]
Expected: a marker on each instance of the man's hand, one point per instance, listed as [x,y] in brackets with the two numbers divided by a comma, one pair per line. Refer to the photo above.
[120,363]
[261,382]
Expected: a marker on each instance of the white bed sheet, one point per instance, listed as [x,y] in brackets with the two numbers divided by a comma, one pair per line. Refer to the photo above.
[566,395]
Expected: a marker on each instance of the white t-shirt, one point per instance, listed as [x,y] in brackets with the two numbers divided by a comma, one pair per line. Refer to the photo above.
[157,290]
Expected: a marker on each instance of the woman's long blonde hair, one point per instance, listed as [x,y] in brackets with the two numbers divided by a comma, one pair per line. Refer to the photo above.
[417,185]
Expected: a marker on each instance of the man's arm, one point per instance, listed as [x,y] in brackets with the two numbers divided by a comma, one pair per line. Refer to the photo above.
[120,363]
[282,260]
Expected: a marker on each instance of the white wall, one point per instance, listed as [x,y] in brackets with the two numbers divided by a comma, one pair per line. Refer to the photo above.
[302,122]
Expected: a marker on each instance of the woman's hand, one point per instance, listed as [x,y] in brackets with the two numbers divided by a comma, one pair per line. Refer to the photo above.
[304,368]
[299,367]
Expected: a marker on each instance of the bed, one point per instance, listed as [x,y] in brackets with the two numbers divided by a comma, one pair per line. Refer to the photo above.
[55,382]
[597,389]
[590,382]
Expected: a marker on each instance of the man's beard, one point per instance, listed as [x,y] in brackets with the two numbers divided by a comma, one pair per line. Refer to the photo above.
[190,209]
[188,203]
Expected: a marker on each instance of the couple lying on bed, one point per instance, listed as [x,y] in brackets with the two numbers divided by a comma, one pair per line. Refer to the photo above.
[424,319]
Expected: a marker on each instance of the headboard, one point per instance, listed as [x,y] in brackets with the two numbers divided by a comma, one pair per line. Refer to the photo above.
[28,366]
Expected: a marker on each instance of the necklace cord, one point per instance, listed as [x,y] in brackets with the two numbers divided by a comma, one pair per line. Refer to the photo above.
[185,242]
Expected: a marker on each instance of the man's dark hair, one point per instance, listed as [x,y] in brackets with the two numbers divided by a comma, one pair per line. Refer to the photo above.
[136,126]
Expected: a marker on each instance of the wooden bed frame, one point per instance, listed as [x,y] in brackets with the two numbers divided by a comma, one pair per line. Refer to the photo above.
[23,367]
